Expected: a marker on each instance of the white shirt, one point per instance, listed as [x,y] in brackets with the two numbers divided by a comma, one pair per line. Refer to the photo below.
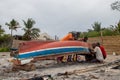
[98,54]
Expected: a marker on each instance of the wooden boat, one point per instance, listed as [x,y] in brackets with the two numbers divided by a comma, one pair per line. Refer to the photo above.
[35,49]
[47,49]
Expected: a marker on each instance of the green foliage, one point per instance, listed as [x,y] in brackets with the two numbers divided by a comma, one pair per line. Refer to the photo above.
[90,34]
[1,30]
[4,49]
[108,32]
[96,26]
[30,32]
[93,34]
[118,27]
[90,30]
[105,32]
[116,5]
[13,25]
[5,40]
[112,30]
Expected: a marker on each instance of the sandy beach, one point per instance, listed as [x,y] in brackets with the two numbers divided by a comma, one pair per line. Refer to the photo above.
[55,70]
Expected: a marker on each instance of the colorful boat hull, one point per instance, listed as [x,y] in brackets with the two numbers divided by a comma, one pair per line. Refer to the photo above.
[51,48]
[53,51]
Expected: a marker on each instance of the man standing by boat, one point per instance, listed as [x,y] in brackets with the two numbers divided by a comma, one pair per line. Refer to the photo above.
[71,36]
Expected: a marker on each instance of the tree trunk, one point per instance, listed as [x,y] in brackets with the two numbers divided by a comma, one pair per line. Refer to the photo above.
[11,43]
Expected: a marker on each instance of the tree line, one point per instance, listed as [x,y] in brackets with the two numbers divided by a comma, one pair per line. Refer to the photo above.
[30,32]
[97,30]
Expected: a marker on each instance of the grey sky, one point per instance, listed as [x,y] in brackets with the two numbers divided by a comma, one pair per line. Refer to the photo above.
[58,17]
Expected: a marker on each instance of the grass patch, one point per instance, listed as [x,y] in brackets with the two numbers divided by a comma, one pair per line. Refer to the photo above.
[4,49]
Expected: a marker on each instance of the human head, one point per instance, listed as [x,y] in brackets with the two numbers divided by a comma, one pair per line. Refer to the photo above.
[78,33]
[98,44]
[93,45]
[85,39]
[75,34]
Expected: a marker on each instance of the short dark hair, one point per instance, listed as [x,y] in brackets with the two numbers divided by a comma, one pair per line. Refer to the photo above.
[85,37]
[98,44]
[94,45]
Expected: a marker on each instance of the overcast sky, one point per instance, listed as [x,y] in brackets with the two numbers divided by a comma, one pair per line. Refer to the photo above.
[58,17]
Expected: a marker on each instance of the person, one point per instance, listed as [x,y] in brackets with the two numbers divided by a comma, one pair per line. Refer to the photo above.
[85,39]
[69,36]
[98,53]
[76,35]
[102,49]
[90,57]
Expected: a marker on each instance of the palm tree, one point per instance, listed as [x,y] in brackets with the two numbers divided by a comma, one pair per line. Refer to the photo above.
[97,26]
[30,32]
[13,25]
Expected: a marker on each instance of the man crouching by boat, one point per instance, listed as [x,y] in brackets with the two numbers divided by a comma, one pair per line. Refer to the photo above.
[102,49]
[98,54]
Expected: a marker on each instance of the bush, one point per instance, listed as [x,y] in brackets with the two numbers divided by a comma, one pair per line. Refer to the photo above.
[109,32]
[90,34]
[5,49]
[105,32]
[5,41]
[93,34]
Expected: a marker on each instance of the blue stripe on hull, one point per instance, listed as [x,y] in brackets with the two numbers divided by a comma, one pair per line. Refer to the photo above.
[52,52]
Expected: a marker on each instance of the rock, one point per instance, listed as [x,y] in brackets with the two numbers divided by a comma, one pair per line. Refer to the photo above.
[116,67]
[3,55]
[37,78]
[26,67]
[3,66]
[93,76]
